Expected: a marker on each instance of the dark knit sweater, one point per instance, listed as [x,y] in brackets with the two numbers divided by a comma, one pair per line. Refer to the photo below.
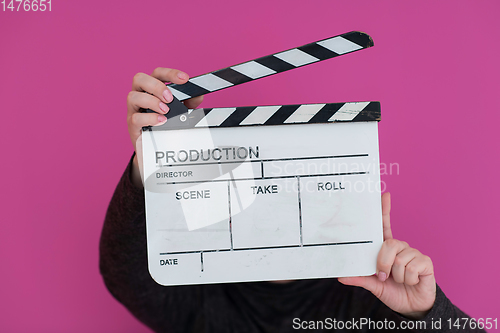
[235,307]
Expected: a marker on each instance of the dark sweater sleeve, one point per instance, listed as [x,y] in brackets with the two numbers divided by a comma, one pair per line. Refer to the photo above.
[123,264]
[444,314]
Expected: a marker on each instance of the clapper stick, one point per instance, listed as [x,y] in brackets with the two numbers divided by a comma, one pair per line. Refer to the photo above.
[262,67]
[272,115]
[272,64]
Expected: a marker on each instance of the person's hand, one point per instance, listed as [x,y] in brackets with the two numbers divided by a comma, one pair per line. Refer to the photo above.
[150,92]
[405,279]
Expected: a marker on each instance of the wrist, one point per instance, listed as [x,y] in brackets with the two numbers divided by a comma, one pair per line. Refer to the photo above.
[135,173]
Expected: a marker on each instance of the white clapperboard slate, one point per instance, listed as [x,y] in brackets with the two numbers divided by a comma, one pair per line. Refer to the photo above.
[267,192]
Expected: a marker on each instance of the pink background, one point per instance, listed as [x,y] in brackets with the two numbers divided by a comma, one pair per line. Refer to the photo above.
[65,76]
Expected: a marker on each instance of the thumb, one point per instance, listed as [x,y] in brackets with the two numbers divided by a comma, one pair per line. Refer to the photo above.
[370,283]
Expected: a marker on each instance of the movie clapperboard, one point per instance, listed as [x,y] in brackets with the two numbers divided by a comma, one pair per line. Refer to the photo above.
[263,193]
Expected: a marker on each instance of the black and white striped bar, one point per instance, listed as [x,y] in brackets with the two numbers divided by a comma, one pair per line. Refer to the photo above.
[275,115]
[272,64]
